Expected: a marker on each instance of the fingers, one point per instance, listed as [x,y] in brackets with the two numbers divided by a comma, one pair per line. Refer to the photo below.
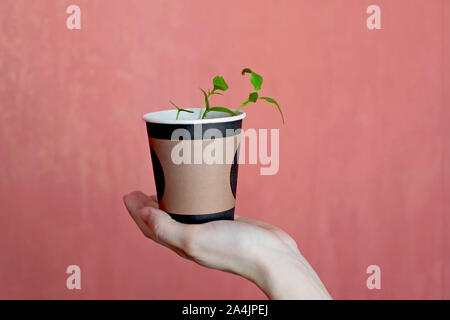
[163,228]
[135,202]
[155,223]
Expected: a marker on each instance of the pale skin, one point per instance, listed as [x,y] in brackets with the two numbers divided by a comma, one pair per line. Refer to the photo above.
[253,249]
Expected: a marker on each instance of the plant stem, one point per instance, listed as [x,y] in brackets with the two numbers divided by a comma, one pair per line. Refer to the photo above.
[246,102]
[203,104]
[201,109]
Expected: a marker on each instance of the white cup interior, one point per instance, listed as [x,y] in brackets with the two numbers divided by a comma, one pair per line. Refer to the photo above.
[169,117]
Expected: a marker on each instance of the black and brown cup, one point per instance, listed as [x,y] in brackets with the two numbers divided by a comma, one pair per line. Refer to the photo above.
[195,163]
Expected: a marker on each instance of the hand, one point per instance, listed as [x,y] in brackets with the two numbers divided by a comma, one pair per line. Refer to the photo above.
[250,248]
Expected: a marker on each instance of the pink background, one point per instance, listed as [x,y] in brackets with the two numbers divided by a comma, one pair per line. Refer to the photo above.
[364,176]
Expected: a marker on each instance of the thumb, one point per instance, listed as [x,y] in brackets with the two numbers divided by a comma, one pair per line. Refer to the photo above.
[162,228]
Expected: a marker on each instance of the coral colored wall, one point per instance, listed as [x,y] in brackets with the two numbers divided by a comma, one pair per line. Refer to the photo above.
[365,153]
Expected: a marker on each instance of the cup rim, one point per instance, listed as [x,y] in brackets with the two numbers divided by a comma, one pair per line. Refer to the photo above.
[168,117]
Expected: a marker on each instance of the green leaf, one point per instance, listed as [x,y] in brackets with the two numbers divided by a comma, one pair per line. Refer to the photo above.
[253,97]
[220,109]
[174,104]
[256,81]
[223,109]
[206,99]
[275,103]
[180,110]
[183,110]
[246,70]
[219,83]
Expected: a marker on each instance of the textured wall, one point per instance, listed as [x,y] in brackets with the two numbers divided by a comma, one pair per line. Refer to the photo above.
[364,175]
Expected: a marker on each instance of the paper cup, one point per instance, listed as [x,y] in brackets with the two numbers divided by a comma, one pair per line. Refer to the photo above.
[195,163]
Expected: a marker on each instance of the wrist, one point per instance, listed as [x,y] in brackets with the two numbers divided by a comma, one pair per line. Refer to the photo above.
[284,274]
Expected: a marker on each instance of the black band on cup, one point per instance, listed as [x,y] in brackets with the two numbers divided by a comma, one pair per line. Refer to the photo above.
[164,131]
[202,218]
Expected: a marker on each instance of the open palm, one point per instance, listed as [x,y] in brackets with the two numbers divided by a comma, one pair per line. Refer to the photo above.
[250,248]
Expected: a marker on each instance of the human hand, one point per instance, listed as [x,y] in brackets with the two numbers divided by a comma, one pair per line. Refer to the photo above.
[250,248]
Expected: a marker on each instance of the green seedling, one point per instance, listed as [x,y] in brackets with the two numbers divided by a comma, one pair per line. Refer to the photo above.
[180,109]
[219,84]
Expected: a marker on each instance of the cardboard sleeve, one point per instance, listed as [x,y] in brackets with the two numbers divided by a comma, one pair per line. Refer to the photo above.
[196,178]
